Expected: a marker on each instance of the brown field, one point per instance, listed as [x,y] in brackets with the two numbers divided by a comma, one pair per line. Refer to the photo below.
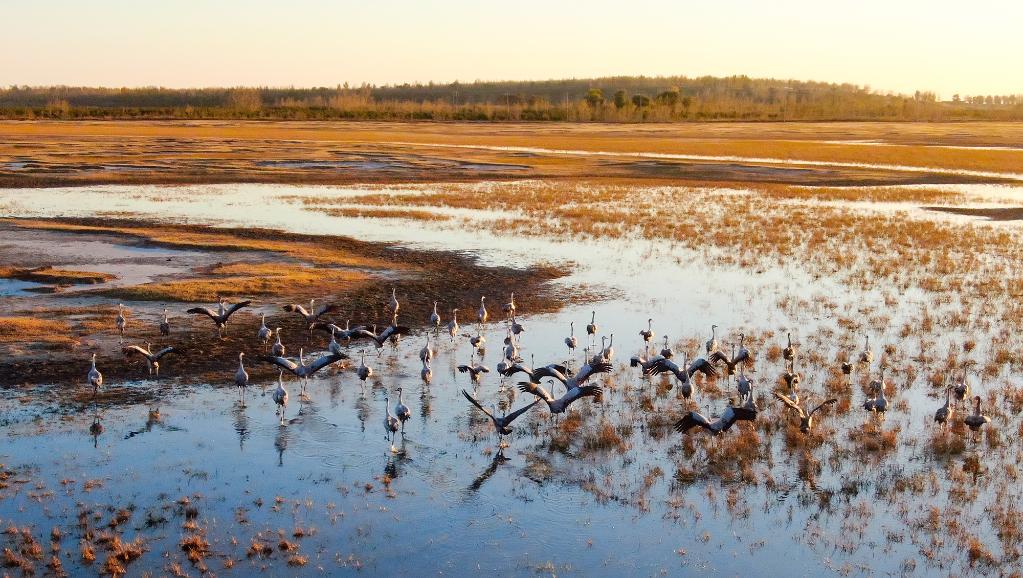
[63,153]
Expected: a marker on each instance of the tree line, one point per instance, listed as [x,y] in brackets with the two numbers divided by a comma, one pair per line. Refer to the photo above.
[612,99]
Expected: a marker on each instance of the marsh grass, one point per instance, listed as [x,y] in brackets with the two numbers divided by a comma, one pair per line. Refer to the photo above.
[52,333]
[56,276]
[243,279]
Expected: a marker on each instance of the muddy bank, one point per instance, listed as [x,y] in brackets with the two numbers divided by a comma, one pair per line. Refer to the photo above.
[992,214]
[53,334]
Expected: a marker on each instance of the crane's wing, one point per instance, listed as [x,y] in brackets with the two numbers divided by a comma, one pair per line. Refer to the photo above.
[362,333]
[703,366]
[202,311]
[741,413]
[719,357]
[594,391]
[164,351]
[324,361]
[592,368]
[535,389]
[691,420]
[515,414]
[822,404]
[393,330]
[325,308]
[518,368]
[661,366]
[466,369]
[282,363]
[560,368]
[550,371]
[329,329]
[742,357]
[473,401]
[230,310]
[301,310]
[726,421]
[788,401]
[136,349]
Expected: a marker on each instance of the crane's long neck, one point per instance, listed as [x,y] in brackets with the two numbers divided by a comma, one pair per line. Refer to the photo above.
[977,402]
[94,361]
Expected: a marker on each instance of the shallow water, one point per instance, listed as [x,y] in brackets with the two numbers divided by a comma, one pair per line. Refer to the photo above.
[730,158]
[453,508]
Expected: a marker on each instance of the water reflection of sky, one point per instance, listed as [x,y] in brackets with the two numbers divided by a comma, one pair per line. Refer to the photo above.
[455,511]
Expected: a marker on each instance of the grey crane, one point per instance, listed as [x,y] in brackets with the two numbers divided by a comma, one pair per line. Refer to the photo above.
[501,424]
[152,359]
[165,324]
[805,417]
[219,318]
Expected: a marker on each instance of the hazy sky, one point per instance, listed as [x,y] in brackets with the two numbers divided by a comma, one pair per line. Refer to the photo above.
[963,46]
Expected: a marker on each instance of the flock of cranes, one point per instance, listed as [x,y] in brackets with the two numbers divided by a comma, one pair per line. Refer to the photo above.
[574,382]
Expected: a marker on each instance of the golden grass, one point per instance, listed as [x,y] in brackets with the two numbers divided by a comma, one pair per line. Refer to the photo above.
[377,213]
[860,194]
[240,147]
[56,276]
[17,329]
[242,280]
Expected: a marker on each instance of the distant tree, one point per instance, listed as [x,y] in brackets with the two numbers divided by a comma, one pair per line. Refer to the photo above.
[640,100]
[620,99]
[956,99]
[669,97]
[244,99]
[594,97]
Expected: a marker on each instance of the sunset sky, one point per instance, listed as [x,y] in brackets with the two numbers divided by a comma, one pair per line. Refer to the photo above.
[948,47]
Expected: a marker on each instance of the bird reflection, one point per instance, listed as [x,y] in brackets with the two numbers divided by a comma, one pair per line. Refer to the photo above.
[335,392]
[241,425]
[425,400]
[95,429]
[396,460]
[481,479]
[362,409]
[153,419]
[281,443]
